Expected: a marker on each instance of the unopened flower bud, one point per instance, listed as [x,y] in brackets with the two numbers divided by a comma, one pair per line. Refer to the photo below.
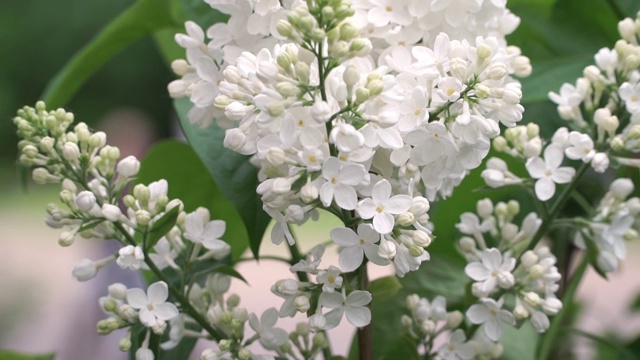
[301,303]
[466,244]
[234,139]
[129,201]
[551,306]
[496,351]
[348,32]
[536,271]
[317,322]
[309,193]
[501,209]
[40,176]
[375,87]
[362,95]
[520,312]
[454,319]
[128,167]
[498,71]
[302,329]
[419,205]
[500,144]
[85,201]
[284,28]
[287,89]
[66,238]
[506,280]
[415,250]
[275,156]
[126,312]
[412,301]
[387,249]
[621,188]
[421,238]
[528,259]
[276,109]
[98,139]
[405,219]
[521,66]
[84,270]
[484,208]
[427,327]
[142,193]
[143,217]
[117,291]
[124,344]
[210,354]
[351,75]
[483,51]
[509,231]
[531,298]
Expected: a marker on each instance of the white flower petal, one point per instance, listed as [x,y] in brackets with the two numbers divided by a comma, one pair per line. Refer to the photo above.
[165,311]
[545,188]
[351,258]
[137,298]
[158,292]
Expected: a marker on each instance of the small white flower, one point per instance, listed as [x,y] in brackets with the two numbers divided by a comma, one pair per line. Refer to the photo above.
[130,257]
[341,179]
[353,306]
[631,96]
[357,245]
[382,206]
[493,270]
[457,348]
[270,337]
[153,305]
[330,279]
[580,148]
[548,172]
[490,313]
[200,230]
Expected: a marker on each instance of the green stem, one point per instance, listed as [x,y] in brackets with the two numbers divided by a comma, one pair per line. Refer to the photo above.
[557,206]
[365,334]
[185,304]
[549,339]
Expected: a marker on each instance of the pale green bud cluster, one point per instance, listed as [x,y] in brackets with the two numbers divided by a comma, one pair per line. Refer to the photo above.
[323,21]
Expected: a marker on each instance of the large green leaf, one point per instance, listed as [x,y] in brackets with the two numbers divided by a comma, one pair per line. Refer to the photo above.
[190,182]
[236,177]
[13,355]
[141,19]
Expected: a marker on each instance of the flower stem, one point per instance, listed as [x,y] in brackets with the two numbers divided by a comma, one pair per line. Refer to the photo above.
[549,339]
[365,334]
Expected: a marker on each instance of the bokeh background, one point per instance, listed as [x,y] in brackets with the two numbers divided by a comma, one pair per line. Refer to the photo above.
[42,308]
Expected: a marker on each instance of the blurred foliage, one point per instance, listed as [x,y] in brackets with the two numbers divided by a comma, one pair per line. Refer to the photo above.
[38,37]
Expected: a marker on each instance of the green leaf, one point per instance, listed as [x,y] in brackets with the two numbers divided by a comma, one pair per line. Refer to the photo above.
[519,344]
[141,19]
[202,14]
[232,172]
[228,270]
[14,355]
[162,226]
[384,288]
[189,181]
[549,75]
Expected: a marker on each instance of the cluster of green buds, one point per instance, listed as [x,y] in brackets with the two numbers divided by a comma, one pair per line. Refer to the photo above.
[324,20]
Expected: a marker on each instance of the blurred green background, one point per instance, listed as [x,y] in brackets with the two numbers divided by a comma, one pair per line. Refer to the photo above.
[38,37]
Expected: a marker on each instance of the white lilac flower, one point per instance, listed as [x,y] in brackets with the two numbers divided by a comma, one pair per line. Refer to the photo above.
[355,246]
[457,348]
[382,206]
[352,306]
[310,264]
[340,182]
[200,230]
[270,336]
[164,254]
[330,279]
[548,172]
[130,257]
[493,269]
[490,313]
[631,96]
[153,305]
[581,147]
